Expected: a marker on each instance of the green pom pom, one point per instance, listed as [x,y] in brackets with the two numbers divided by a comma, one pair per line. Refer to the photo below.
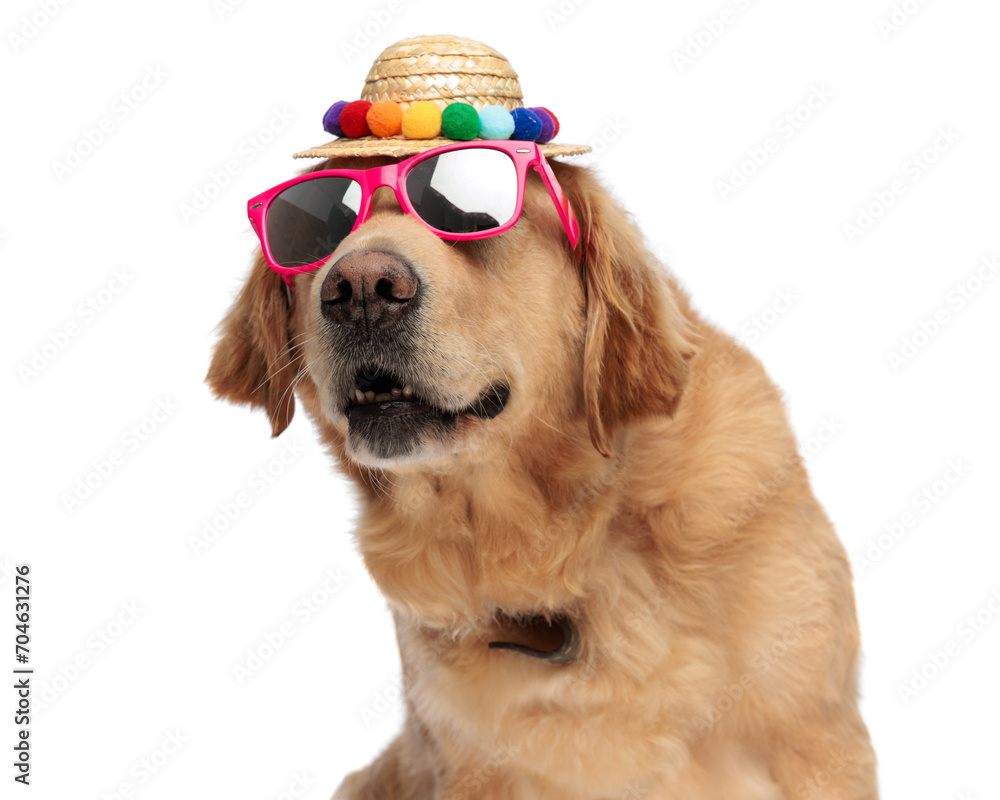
[460,121]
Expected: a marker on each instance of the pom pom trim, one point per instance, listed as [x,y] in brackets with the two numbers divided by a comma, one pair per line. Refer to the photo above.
[528,125]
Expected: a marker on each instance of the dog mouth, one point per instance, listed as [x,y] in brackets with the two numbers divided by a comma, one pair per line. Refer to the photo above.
[390,413]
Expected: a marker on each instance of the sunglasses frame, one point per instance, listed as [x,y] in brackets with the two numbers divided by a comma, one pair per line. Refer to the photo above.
[525,155]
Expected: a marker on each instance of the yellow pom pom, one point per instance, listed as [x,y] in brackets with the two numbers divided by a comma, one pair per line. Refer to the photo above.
[422,120]
[385,118]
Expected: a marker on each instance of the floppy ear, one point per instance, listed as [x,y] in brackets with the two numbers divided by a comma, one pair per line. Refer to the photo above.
[253,359]
[636,352]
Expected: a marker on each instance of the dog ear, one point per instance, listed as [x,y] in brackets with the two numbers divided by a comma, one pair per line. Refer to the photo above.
[636,351]
[253,358]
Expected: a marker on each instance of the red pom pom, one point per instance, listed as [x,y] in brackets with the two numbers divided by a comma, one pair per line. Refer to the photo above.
[555,121]
[353,120]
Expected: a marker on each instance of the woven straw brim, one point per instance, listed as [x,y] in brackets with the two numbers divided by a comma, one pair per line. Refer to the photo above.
[399,146]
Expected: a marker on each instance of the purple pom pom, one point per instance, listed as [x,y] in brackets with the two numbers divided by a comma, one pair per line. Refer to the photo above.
[331,119]
[527,125]
[548,125]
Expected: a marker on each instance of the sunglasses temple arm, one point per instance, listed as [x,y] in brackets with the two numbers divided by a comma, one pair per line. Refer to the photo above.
[561,201]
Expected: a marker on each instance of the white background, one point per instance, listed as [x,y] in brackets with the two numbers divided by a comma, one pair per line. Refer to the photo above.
[669,132]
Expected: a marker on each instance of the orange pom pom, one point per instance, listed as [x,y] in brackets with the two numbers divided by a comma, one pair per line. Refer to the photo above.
[385,118]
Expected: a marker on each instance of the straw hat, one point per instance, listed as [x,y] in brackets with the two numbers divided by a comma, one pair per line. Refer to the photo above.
[442,69]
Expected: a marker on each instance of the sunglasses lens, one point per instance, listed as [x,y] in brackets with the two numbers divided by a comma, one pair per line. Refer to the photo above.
[464,191]
[307,221]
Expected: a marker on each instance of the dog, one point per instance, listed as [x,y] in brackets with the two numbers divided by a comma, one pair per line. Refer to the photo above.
[608,573]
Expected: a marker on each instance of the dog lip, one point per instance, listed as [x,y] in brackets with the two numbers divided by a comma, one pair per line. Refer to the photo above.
[491,402]
[488,405]
[392,408]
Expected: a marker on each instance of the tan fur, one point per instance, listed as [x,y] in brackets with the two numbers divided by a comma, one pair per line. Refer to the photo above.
[643,479]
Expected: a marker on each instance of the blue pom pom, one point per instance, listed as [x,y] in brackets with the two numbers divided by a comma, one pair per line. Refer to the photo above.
[331,119]
[495,122]
[527,125]
[548,125]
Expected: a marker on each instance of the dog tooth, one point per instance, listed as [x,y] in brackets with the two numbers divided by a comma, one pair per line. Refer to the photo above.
[381,398]
[407,391]
[396,393]
[369,395]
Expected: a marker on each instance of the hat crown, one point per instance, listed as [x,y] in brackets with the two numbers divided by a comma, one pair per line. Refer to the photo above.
[445,69]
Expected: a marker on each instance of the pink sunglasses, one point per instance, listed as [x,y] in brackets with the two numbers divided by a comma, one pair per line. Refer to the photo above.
[463,191]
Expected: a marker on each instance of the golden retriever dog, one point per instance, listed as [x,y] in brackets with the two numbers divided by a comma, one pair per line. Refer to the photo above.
[609,575]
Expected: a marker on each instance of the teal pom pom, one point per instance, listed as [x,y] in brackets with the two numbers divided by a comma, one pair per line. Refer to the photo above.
[495,122]
[460,121]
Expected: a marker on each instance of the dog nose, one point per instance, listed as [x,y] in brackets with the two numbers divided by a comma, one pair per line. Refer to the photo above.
[368,289]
